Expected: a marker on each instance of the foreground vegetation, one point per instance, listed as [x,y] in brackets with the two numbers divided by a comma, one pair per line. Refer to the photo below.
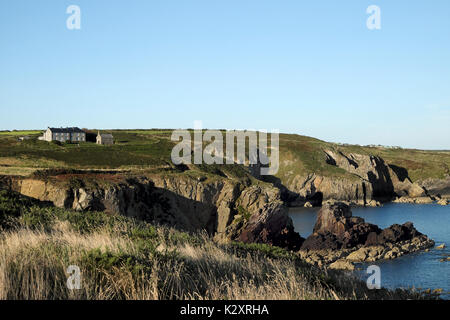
[121,258]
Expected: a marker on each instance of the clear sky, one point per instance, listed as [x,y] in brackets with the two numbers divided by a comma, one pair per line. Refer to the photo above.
[307,67]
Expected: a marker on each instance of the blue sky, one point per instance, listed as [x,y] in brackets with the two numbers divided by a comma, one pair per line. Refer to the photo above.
[306,67]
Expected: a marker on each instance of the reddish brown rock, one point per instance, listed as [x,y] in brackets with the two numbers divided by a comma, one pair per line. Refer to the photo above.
[335,228]
[334,218]
[393,234]
[271,225]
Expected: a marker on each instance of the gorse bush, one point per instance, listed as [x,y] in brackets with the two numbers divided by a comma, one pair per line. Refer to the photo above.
[262,249]
[36,217]
[85,222]
[95,259]
[13,205]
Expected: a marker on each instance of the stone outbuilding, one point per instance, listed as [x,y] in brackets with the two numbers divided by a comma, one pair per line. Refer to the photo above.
[105,138]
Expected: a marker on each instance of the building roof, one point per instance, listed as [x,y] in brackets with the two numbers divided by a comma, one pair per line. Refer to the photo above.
[106,135]
[70,130]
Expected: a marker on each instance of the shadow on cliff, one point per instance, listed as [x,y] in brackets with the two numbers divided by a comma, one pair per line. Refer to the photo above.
[167,207]
[380,180]
[289,197]
[401,172]
[152,204]
[382,186]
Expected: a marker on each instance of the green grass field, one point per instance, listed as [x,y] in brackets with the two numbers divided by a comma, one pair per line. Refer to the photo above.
[141,149]
[20,133]
[132,149]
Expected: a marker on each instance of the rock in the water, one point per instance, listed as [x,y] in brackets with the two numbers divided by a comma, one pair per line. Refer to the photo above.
[423,200]
[319,241]
[335,228]
[333,218]
[417,200]
[367,254]
[391,255]
[342,264]
[373,203]
[441,246]
[393,234]
[359,255]
[357,241]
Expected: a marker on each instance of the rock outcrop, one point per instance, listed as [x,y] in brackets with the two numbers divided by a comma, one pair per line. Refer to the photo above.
[336,228]
[271,224]
[370,181]
[437,188]
[317,189]
[338,236]
[418,200]
[342,264]
[229,209]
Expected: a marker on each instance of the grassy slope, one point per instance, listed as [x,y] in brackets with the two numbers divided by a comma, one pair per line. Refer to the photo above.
[151,149]
[120,258]
[131,149]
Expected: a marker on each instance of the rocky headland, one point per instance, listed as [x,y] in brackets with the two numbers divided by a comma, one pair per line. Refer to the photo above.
[242,207]
[340,239]
[368,181]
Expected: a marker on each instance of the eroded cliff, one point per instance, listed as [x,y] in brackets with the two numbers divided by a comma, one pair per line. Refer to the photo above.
[369,181]
[229,209]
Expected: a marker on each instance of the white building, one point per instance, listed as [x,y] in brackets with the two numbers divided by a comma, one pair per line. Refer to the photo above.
[65,134]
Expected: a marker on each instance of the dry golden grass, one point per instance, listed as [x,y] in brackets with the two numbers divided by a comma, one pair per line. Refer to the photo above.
[24,166]
[167,265]
[16,171]
[33,264]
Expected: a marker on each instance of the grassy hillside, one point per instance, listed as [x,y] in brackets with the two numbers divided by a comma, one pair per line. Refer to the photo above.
[131,150]
[120,258]
[143,149]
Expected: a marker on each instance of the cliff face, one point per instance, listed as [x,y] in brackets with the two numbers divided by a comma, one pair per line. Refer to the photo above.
[437,187]
[372,180]
[226,208]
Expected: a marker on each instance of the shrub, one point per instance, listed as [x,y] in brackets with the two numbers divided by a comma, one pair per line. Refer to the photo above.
[106,261]
[89,221]
[13,205]
[36,217]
